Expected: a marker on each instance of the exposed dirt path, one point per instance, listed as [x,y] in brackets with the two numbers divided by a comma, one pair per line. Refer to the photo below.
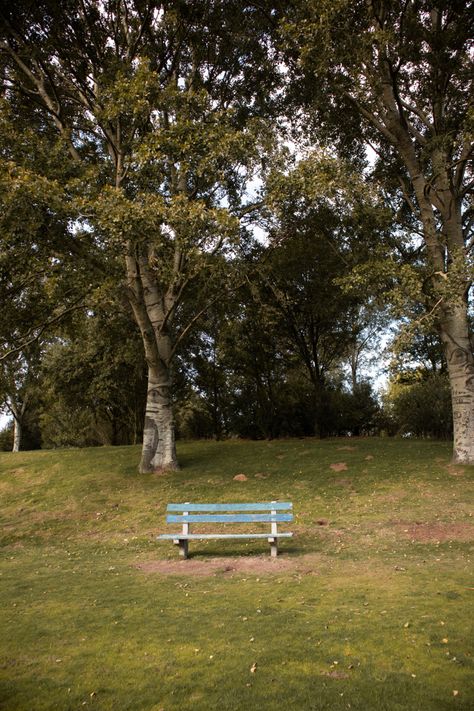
[253,565]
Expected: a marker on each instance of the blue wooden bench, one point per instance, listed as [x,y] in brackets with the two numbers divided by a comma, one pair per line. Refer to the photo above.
[187,514]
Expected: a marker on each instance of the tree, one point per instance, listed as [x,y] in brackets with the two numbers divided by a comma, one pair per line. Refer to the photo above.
[398,77]
[156,106]
[325,220]
[20,392]
[93,379]
[41,255]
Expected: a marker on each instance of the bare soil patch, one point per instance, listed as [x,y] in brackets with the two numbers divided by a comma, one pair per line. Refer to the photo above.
[338,467]
[436,532]
[249,565]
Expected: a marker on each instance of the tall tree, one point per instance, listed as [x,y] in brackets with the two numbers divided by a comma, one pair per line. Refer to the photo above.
[326,220]
[399,77]
[156,109]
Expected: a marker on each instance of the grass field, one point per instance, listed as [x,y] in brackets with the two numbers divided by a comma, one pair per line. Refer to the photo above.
[369,607]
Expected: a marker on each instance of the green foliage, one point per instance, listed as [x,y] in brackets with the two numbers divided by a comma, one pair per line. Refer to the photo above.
[133,131]
[423,408]
[355,412]
[6,438]
[398,78]
[21,394]
[242,375]
[94,381]
[161,115]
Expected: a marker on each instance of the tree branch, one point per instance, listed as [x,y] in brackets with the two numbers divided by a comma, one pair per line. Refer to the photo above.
[48,102]
[76,306]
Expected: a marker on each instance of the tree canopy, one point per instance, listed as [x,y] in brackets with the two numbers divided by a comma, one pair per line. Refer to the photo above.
[141,143]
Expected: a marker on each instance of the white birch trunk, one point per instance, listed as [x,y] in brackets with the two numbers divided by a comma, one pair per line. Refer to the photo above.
[16,435]
[158,450]
[460,360]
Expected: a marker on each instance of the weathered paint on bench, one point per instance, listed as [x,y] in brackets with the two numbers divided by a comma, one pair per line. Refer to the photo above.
[264,506]
[188,515]
[230,518]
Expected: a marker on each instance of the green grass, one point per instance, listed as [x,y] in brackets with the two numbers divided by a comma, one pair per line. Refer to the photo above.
[376,613]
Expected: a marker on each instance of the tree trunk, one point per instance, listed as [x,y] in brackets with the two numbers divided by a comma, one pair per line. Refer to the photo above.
[159,450]
[460,360]
[454,319]
[445,250]
[16,434]
[151,314]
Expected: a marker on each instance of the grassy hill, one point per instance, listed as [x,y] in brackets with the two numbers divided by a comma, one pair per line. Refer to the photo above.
[369,606]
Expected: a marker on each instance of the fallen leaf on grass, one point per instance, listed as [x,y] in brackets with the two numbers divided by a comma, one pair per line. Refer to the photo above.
[455,692]
[338,467]
[253,668]
[240,477]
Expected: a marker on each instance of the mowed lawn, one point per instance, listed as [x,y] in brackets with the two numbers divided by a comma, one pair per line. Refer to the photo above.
[369,606]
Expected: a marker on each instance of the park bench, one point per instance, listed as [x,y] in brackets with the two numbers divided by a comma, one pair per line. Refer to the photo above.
[273,512]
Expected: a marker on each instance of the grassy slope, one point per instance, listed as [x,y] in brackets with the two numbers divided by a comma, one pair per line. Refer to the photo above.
[384,622]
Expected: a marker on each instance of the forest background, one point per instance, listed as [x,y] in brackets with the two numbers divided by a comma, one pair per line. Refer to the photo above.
[254,197]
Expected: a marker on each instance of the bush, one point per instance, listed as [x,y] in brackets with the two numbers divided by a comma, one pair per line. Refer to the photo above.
[423,409]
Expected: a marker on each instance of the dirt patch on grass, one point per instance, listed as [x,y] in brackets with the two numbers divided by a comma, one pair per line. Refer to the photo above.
[338,467]
[424,532]
[247,565]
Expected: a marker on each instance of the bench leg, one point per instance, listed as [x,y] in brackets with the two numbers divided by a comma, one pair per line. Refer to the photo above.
[274,548]
[183,548]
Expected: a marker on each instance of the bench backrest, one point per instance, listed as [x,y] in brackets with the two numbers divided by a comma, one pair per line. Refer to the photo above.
[229,513]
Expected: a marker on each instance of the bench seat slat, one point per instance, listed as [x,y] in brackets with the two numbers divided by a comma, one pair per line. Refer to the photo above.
[274,506]
[203,536]
[229,518]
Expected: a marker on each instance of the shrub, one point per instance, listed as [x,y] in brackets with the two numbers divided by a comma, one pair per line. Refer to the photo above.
[423,409]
